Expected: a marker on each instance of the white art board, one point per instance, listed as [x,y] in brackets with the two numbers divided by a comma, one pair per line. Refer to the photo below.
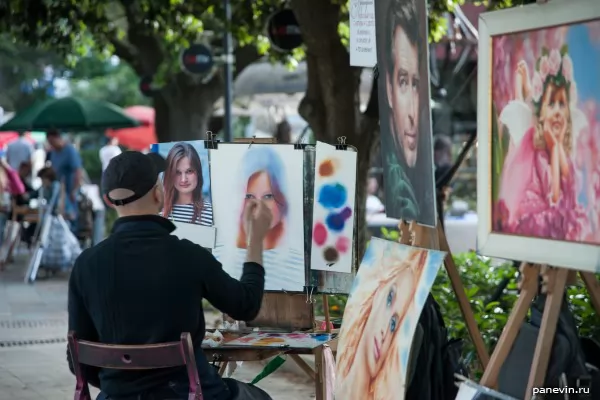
[333,209]
[273,173]
[363,52]
[187,174]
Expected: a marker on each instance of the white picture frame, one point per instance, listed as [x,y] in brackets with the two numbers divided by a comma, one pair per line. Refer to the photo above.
[573,255]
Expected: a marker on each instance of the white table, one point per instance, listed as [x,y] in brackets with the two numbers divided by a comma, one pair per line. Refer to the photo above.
[461,233]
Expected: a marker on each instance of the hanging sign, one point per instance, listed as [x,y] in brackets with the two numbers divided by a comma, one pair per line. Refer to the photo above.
[363,52]
[283,31]
[197,59]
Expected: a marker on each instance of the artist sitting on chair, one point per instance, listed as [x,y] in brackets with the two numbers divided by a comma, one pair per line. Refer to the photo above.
[143,285]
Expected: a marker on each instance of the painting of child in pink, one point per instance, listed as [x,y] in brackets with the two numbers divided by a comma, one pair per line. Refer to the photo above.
[544,169]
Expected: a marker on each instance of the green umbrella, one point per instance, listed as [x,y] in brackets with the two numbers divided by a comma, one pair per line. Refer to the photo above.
[70,113]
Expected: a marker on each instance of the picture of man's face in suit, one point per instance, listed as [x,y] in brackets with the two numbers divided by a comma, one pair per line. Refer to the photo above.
[405,121]
[403,81]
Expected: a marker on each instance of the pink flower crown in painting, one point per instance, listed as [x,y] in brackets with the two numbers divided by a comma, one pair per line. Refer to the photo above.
[553,67]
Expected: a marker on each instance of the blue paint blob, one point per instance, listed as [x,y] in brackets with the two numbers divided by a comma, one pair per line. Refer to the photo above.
[336,221]
[332,196]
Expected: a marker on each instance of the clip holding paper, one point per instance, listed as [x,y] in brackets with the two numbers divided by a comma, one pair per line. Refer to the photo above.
[300,146]
[341,143]
[251,141]
[309,293]
[211,141]
[375,71]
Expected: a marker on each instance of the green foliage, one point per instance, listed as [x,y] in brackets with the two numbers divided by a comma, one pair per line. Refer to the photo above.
[115,84]
[20,64]
[481,279]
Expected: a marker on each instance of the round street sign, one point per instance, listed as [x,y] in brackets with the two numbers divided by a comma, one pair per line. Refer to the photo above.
[283,30]
[197,59]
[146,86]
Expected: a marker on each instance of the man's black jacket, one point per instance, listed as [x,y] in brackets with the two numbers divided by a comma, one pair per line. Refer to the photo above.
[143,285]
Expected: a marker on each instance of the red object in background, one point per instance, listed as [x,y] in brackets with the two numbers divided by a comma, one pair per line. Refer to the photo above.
[141,137]
[144,114]
[9,137]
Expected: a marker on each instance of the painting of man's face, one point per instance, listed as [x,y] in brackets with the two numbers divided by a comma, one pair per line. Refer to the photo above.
[404,110]
[403,96]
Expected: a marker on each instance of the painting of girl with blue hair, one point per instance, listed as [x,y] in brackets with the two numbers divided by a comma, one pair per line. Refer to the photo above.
[274,175]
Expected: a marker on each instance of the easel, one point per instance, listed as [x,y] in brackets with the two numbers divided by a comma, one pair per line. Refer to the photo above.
[555,281]
[434,239]
[286,311]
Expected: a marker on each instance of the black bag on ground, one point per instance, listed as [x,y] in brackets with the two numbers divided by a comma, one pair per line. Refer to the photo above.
[434,359]
[568,366]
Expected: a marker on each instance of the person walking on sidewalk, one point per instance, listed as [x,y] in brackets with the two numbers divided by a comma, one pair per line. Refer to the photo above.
[66,162]
[143,285]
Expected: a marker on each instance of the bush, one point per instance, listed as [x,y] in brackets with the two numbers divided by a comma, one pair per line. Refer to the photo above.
[481,279]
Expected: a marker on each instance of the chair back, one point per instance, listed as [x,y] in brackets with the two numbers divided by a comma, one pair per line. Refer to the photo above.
[127,357]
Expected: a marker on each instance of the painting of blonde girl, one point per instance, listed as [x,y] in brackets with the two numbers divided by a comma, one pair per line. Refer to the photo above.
[538,192]
[183,182]
[380,319]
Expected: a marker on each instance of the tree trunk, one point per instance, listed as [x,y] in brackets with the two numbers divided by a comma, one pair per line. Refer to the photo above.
[331,104]
[183,110]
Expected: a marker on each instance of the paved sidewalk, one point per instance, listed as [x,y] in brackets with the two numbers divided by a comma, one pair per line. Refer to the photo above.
[37,314]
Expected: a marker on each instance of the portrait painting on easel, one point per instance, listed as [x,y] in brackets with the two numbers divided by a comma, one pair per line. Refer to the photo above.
[273,174]
[544,141]
[404,110]
[380,319]
[186,186]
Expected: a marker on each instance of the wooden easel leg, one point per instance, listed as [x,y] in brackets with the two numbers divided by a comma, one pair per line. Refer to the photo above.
[541,356]
[463,301]
[593,287]
[319,374]
[223,367]
[529,286]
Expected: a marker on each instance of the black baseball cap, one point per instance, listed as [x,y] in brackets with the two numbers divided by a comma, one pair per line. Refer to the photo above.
[133,171]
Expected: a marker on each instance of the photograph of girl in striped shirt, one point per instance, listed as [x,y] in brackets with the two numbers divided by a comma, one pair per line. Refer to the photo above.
[186,184]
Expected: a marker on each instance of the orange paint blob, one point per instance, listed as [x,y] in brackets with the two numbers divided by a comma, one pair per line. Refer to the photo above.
[326,168]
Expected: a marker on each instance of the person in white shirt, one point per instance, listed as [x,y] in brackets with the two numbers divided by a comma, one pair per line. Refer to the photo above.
[109,151]
[374,205]
[18,152]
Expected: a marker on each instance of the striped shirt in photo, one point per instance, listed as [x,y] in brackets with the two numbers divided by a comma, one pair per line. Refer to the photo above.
[185,213]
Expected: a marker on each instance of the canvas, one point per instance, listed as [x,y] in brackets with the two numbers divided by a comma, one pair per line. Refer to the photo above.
[273,173]
[294,340]
[333,209]
[186,183]
[380,319]
[538,192]
[404,110]
[324,281]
